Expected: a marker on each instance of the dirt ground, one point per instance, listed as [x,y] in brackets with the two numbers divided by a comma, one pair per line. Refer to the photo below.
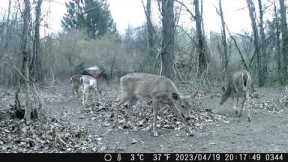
[218,129]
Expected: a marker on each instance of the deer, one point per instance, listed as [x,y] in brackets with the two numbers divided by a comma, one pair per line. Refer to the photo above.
[95,72]
[239,86]
[75,81]
[88,83]
[160,89]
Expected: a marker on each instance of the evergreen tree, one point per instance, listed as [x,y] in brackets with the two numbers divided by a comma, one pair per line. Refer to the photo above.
[92,16]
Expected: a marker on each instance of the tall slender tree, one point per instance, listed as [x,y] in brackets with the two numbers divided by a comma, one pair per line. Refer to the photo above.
[284,32]
[26,58]
[202,53]
[225,60]
[150,33]
[168,39]
[252,14]
[277,42]
[6,27]
[263,52]
[35,65]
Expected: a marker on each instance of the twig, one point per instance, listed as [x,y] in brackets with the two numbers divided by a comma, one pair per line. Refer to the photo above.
[187,8]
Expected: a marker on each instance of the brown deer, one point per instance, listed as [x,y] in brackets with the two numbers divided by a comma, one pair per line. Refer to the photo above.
[75,81]
[239,86]
[158,88]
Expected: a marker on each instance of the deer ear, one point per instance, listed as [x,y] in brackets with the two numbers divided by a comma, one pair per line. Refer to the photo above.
[175,96]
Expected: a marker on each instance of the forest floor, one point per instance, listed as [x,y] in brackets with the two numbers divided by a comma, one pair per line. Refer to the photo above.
[216,128]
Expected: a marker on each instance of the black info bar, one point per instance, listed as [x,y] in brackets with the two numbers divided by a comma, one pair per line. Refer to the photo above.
[141,157]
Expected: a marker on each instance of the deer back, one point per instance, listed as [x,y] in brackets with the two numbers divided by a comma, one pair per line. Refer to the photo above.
[147,85]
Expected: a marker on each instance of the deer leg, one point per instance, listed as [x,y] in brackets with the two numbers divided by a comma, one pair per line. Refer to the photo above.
[249,107]
[74,90]
[88,96]
[155,105]
[235,104]
[96,95]
[97,89]
[132,102]
[91,98]
[83,96]
[249,114]
[77,93]
[242,107]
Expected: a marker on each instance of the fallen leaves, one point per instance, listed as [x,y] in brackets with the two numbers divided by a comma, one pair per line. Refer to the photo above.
[52,136]
[62,133]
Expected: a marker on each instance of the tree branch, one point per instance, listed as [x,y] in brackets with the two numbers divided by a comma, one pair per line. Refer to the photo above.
[186,7]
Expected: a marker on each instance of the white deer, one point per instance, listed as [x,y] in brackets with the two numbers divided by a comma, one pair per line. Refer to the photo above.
[88,84]
[97,73]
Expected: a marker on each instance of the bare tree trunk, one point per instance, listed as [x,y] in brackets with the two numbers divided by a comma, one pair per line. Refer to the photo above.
[168,39]
[252,15]
[284,32]
[7,26]
[26,58]
[225,60]
[35,66]
[150,35]
[278,48]
[202,59]
[150,28]
[263,46]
